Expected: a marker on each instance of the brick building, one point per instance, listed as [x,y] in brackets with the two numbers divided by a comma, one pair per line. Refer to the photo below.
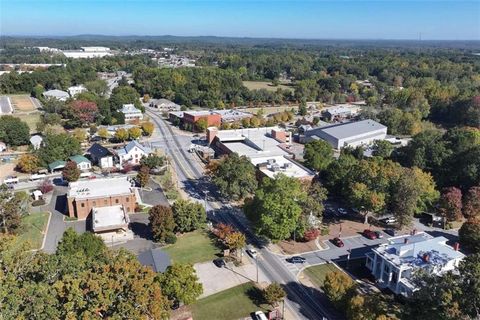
[85,195]
[192,117]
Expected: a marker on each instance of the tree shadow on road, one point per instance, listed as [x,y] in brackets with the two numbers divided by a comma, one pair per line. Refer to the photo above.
[141,230]
[61,204]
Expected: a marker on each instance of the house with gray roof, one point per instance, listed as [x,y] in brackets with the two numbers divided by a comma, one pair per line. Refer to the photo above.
[349,134]
[395,263]
[164,104]
[132,153]
[56,94]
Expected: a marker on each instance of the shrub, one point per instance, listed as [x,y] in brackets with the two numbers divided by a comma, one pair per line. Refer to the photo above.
[171,239]
[311,234]
[39,202]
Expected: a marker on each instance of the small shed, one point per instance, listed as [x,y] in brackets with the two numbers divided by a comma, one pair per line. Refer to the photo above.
[56,165]
[37,195]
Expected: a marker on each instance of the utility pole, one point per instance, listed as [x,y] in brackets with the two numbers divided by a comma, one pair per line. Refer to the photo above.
[256,262]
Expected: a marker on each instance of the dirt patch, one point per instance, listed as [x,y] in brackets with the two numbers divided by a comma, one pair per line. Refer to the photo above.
[7,169]
[291,247]
[181,313]
[347,228]
[22,103]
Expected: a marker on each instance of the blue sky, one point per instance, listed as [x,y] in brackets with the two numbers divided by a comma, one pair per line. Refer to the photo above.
[358,19]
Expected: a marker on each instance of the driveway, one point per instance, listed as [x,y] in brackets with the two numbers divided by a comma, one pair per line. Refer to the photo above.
[216,279]
[56,227]
[155,196]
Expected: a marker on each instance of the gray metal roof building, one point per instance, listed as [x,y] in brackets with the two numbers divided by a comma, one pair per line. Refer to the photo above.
[351,134]
[5,105]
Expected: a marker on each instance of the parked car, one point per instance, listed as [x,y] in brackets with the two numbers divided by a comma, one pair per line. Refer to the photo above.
[390,220]
[392,232]
[342,211]
[367,233]
[252,252]
[220,263]
[379,234]
[338,242]
[259,315]
[296,259]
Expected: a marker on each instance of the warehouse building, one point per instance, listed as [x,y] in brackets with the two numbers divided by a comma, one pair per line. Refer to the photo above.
[349,134]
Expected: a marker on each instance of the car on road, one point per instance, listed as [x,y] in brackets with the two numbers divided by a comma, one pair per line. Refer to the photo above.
[296,259]
[338,242]
[379,234]
[220,263]
[259,315]
[342,211]
[252,253]
[369,234]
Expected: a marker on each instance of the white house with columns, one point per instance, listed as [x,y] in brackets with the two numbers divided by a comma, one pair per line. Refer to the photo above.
[394,263]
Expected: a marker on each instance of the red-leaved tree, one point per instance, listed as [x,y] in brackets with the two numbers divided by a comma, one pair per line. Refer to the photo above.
[46,186]
[471,207]
[451,204]
[85,111]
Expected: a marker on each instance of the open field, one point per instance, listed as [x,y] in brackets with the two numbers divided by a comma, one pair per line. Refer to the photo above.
[317,273]
[34,228]
[235,303]
[22,103]
[256,85]
[193,247]
[31,119]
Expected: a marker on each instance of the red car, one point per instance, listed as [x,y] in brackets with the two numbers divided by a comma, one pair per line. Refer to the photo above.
[338,242]
[369,234]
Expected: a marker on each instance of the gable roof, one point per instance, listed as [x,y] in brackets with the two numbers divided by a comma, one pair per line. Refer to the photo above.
[79,159]
[58,164]
[98,151]
[132,144]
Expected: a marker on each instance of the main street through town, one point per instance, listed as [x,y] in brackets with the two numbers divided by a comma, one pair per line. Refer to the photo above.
[302,301]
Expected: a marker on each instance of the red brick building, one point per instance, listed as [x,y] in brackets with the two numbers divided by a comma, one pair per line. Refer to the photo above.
[85,195]
[192,117]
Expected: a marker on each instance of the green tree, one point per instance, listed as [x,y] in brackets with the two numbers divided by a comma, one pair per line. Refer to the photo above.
[124,94]
[103,133]
[10,212]
[316,195]
[276,209]
[404,199]
[38,91]
[13,131]
[235,177]
[318,154]
[98,87]
[302,109]
[180,283]
[382,148]
[235,240]
[201,125]
[71,172]
[469,236]
[273,294]
[151,161]
[366,200]
[148,128]
[162,223]
[339,288]
[143,176]
[188,215]
[57,147]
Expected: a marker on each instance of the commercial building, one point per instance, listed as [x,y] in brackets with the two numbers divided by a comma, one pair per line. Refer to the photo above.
[56,94]
[87,52]
[267,149]
[229,115]
[131,113]
[340,111]
[164,104]
[111,224]
[351,134]
[394,264]
[190,118]
[84,195]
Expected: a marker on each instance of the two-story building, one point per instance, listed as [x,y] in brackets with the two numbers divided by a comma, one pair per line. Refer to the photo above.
[131,113]
[101,156]
[393,264]
[132,153]
[85,195]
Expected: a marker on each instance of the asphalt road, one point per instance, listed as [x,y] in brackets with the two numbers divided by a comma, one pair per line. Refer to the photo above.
[302,301]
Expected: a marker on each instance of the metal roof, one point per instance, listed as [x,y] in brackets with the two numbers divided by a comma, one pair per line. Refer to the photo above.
[349,129]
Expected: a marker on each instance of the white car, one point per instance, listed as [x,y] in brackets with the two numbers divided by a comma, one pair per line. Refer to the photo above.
[252,253]
[390,220]
[259,315]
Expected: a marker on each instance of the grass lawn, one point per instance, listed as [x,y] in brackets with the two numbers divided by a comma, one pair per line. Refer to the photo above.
[234,303]
[34,226]
[317,273]
[31,119]
[193,247]
[256,85]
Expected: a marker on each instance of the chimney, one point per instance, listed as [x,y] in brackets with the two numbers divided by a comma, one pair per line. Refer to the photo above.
[456,246]
[211,134]
[426,257]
